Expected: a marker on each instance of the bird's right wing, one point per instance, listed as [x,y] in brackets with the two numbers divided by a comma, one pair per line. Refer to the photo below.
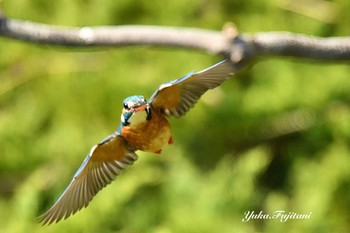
[104,162]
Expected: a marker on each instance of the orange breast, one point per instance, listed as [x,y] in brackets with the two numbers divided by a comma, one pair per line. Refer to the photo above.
[149,135]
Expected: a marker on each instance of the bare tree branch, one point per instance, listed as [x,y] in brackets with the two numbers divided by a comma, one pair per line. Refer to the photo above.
[240,48]
[112,35]
[288,44]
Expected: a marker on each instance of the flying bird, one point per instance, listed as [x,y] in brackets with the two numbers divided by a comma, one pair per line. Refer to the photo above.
[144,126]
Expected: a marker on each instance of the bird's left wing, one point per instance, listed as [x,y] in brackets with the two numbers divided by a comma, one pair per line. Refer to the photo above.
[104,162]
[178,96]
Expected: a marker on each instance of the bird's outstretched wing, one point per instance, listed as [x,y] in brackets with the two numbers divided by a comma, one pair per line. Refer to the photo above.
[178,96]
[104,162]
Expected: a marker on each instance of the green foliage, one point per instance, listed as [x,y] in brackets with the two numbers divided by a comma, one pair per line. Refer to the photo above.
[275,137]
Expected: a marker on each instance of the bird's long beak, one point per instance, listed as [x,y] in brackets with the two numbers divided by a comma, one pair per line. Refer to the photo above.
[141,108]
[146,108]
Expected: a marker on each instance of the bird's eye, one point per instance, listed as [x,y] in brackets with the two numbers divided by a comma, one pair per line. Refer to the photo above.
[126,106]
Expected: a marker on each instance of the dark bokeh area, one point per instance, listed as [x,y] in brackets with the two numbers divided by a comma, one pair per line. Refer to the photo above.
[274,137]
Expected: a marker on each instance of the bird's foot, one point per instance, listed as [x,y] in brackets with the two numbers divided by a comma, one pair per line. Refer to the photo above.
[171,140]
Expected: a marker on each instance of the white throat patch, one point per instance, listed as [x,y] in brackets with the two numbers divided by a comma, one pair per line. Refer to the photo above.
[137,118]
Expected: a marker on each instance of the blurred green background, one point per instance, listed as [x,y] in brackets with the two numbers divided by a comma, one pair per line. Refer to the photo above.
[274,137]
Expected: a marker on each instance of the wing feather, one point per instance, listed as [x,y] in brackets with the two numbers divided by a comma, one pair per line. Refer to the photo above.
[177,97]
[102,165]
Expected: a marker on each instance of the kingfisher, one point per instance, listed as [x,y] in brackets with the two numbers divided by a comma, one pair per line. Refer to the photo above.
[144,126]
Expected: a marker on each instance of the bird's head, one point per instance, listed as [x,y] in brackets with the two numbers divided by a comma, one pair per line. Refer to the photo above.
[136,109]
